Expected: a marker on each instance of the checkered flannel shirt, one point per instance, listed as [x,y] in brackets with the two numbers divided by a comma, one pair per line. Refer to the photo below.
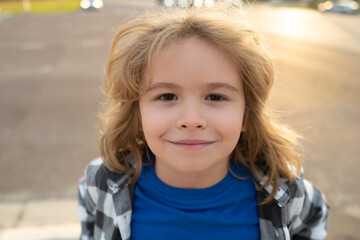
[298,212]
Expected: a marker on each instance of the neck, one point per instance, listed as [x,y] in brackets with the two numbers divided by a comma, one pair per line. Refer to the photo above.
[191,180]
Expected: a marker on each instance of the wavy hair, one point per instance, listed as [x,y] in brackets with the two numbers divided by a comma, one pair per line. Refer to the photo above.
[266,145]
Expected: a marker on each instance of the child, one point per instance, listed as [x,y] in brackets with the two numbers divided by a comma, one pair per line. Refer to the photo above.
[189,147]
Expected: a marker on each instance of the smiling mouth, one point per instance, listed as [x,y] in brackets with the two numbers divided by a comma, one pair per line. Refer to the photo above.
[192,144]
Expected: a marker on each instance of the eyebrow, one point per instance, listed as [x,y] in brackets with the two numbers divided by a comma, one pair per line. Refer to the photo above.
[210,86]
[160,85]
[222,85]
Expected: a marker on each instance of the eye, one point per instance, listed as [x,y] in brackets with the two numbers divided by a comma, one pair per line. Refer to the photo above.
[215,98]
[168,97]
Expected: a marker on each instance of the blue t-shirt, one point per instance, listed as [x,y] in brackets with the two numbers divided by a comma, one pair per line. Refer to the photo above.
[227,210]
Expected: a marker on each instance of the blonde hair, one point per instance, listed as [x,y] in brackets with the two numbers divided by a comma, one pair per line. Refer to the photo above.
[266,145]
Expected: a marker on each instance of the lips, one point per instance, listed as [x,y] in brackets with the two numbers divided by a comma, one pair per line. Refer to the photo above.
[192,143]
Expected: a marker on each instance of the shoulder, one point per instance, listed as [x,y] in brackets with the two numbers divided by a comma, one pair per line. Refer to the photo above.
[303,193]
[95,174]
[298,204]
[100,176]
[99,190]
[93,185]
[307,210]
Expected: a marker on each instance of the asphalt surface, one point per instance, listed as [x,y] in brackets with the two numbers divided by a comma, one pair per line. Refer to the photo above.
[52,69]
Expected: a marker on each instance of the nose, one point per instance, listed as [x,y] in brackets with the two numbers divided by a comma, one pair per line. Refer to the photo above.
[191,118]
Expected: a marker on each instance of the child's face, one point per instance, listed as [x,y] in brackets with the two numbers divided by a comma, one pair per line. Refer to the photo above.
[192,113]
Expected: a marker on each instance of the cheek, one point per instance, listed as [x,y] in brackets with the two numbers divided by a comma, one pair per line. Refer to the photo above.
[229,124]
[154,123]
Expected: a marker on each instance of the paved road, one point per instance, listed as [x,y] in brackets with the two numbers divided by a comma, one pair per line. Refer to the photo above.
[51,67]
[319,90]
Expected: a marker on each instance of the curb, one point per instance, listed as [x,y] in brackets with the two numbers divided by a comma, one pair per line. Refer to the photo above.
[68,231]
[39,219]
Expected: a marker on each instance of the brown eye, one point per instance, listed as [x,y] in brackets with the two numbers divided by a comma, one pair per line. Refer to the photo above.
[215,98]
[168,97]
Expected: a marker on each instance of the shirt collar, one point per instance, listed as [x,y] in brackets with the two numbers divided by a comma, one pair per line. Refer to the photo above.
[116,180]
[282,195]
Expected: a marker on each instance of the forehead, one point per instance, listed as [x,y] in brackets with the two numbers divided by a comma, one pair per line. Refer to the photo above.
[190,58]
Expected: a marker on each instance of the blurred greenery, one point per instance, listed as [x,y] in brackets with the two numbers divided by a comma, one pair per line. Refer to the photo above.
[38,6]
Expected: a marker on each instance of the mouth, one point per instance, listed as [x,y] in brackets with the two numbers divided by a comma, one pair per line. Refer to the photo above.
[192,143]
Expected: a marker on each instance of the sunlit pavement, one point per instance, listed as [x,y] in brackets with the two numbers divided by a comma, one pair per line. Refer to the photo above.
[50,71]
[39,220]
[309,26]
[317,92]
[48,232]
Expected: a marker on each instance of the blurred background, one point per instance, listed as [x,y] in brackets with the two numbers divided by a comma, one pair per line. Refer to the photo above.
[52,59]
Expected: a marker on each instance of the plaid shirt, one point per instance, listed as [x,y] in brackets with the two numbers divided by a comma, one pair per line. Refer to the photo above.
[299,210]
